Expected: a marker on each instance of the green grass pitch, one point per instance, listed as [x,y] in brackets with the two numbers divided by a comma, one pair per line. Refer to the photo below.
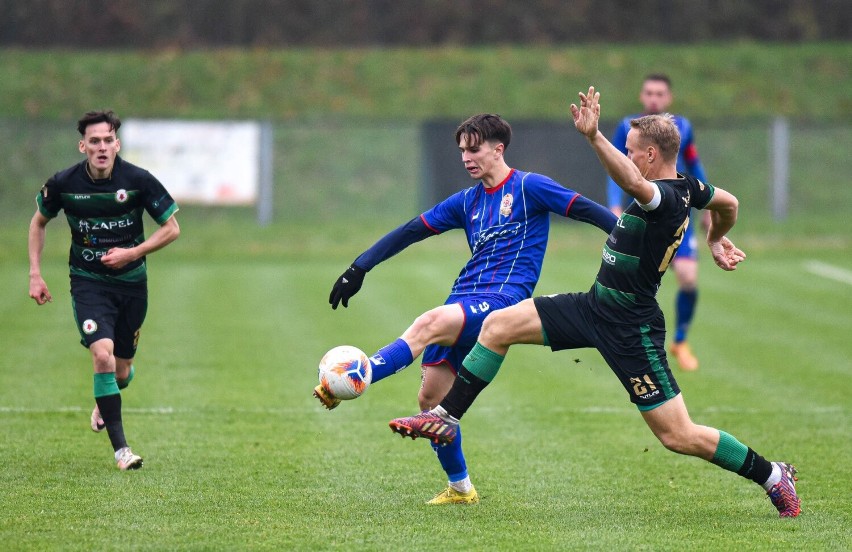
[238,455]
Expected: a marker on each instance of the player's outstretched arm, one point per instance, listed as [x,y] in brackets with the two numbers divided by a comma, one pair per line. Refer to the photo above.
[585,210]
[118,257]
[723,215]
[617,165]
[35,246]
[389,245]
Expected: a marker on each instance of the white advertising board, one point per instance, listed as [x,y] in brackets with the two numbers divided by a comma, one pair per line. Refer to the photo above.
[207,162]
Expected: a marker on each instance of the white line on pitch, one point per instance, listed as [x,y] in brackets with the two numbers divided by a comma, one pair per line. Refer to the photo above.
[829,271]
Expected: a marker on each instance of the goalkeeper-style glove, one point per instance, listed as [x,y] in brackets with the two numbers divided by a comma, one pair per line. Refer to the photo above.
[346,286]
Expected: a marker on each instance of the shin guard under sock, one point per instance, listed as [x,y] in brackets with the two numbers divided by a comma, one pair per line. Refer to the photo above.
[391,359]
[736,457]
[452,459]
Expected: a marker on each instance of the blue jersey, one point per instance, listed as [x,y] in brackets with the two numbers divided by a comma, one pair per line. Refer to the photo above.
[506,228]
[687,158]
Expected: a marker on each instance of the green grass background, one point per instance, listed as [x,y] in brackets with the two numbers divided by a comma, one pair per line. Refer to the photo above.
[239,456]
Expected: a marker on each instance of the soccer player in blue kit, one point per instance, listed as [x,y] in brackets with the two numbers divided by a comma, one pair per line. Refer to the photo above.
[656,97]
[506,218]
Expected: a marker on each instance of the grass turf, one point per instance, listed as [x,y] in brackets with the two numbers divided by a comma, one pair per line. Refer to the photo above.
[240,456]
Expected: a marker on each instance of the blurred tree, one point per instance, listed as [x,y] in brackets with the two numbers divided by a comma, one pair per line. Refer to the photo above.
[247,23]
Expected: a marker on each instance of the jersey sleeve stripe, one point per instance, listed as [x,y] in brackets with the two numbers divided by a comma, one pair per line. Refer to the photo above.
[570,203]
[429,226]
[162,219]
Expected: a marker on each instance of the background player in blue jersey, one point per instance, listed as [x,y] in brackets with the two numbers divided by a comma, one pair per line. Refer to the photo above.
[656,97]
[506,218]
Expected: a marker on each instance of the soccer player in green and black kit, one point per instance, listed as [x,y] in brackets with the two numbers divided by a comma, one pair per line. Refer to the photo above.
[103,198]
[619,315]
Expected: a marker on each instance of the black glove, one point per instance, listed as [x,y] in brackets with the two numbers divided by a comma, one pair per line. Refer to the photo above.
[346,286]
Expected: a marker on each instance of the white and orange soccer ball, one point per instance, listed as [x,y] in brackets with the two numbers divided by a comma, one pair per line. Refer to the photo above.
[345,372]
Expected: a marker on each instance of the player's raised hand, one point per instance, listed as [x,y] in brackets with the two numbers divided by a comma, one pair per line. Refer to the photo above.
[726,255]
[39,291]
[346,286]
[587,115]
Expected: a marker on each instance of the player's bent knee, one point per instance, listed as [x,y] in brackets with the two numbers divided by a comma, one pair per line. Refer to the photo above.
[101,356]
[426,324]
[497,329]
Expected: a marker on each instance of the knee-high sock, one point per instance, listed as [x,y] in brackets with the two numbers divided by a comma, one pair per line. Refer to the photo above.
[391,359]
[684,311]
[123,383]
[478,369]
[451,458]
[109,403]
[736,457]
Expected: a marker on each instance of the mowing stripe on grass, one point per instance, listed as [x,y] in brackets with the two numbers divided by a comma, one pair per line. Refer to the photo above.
[168,410]
[829,271]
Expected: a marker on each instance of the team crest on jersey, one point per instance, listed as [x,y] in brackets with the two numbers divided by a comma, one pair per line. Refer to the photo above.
[90,327]
[121,195]
[506,205]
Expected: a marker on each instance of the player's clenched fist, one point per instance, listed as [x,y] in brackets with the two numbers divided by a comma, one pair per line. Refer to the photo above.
[39,291]
[346,286]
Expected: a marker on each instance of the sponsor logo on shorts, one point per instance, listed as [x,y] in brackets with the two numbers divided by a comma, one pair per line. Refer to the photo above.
[121,195]
[89,326]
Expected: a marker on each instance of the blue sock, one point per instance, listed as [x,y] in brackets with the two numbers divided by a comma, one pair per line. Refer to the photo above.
[452,458]
[684,309]
[391,359]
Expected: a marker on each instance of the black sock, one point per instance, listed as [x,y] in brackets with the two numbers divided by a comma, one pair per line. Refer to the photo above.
[756,467]
[464,391]
[110,408]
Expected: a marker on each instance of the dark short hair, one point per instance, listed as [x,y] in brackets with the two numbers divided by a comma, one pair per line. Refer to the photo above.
[485,127]
[95,117]
[658,77]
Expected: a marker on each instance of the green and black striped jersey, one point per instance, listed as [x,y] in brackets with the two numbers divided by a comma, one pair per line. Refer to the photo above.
[640,248]
[106,213]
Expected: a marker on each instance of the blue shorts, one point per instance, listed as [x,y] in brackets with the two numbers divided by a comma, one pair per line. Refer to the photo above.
[476,307]
[689,245]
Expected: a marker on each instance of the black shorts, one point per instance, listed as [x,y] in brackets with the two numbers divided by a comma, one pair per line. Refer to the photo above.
[636,353]
[104,311]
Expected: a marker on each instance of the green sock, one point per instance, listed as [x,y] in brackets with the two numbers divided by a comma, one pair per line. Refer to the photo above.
[122,383]
[730,454]
[105,384]
[483,363]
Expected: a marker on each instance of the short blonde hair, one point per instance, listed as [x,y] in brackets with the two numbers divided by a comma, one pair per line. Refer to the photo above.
[661,131]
